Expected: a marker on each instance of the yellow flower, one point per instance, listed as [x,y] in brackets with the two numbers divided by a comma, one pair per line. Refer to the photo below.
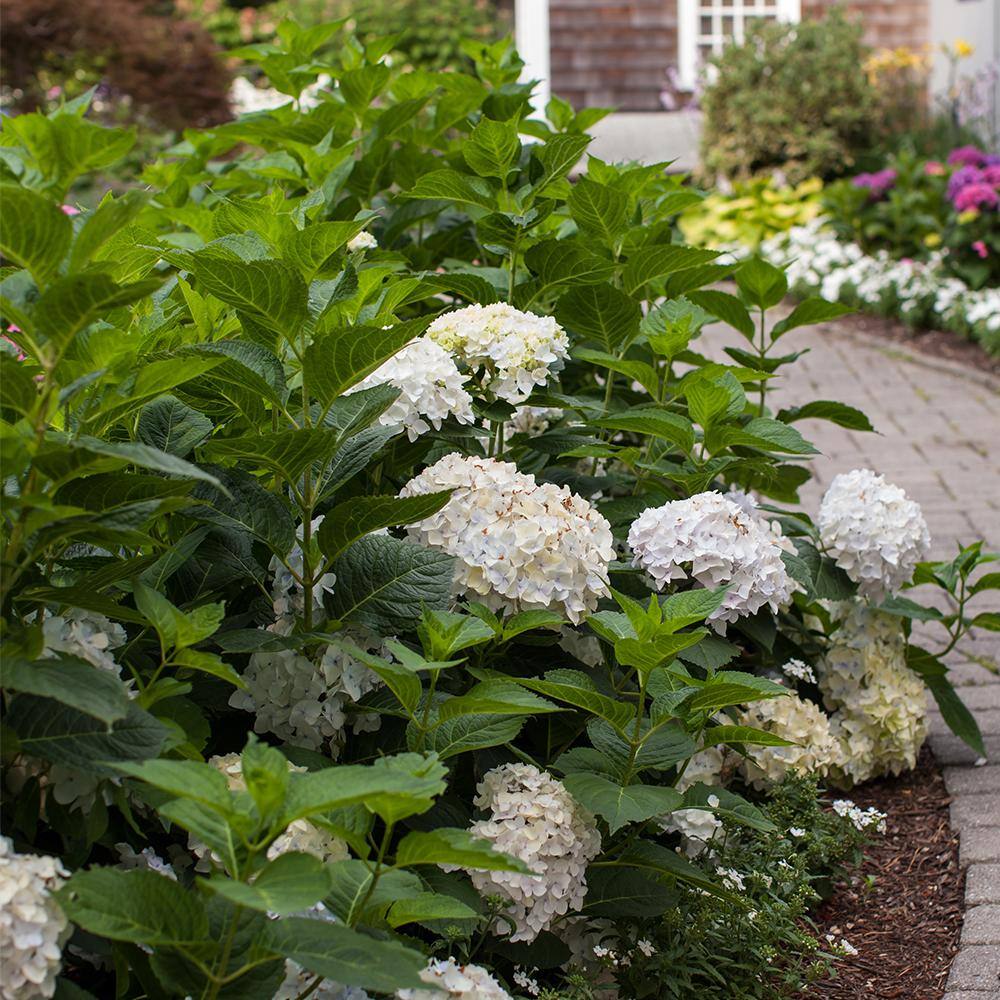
[963,49]
[932,240]
[968,216]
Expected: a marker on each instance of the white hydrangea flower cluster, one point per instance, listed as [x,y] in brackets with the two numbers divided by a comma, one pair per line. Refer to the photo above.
[450,981]
[697,827]
[300,835]
[815,748]
[531,420]
[879,704]
[873,531]
[920,292]
[534,818]
[245,98]
[363,241]
[518,544]
[431,389]
[516,350]
[33,927]
[86,634]
[286,593]
[861,819]
[721,544]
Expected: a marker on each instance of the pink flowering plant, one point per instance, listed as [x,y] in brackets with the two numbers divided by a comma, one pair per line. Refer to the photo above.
[394,595]
[917,209]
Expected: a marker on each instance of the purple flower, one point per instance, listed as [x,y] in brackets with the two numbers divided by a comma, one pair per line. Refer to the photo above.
[975,196]
[991,160]
[991,175]
[967,156]
[877,183]
[962,178]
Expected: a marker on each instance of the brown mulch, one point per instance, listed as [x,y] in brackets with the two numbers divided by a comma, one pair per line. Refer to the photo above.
[903,908]
[936,343]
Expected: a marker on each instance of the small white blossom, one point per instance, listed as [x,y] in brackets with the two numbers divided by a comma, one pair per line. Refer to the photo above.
[33,927]
[796,831]
[874,533]
[145,860]
[799,671]
[861,819]
[842,947]
[646,947]
[430,389]
[534,818]
[526,982]
[732,880]
[450,981]
[286,592]
[697,828]
[714,541]
[515,351]
[518,544]
[363,241]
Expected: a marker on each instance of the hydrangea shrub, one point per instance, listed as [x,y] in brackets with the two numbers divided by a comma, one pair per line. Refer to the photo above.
[396,602]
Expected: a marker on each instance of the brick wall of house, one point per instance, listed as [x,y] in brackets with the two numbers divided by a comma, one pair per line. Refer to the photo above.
[612,52]
[616,52]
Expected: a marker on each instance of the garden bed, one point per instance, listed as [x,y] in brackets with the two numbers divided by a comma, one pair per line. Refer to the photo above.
[902,909]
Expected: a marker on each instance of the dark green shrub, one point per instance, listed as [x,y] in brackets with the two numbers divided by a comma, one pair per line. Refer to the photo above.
[793,97]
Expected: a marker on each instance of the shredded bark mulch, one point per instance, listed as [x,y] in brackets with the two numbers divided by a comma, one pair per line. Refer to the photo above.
[936,343]
[902,909]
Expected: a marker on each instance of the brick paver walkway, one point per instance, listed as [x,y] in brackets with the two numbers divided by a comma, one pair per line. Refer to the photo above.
[939,439]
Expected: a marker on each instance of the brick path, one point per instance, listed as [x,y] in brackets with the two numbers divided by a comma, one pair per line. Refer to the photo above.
[939,439]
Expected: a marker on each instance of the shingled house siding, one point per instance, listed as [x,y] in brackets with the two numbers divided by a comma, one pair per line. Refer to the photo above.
[612,54]
[615,54]
[888,23]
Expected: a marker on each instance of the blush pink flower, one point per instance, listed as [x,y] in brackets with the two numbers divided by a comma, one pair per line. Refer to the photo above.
[934,168]
[70,210]
[980,247]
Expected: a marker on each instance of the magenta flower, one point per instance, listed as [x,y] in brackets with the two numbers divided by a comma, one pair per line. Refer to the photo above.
[991,175]
[962,178]
[976,196]
[877,183]
[967,156]
[980,247]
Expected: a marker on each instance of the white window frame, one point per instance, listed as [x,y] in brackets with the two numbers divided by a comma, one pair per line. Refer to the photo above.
[689,35]
[531,35]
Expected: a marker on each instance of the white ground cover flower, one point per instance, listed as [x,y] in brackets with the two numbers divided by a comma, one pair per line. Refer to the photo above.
[879,703]
[534,818]
[450,981]
[873,531]
[860,818]
[714,541]
[815,749]
[799,671]
[515,350]
[518,544]
[430,388]
[300,834]
[33,927]
[919,291]
[363,241]
[86,634]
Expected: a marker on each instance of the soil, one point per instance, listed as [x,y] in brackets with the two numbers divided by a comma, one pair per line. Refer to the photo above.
[902,909]
[936,343]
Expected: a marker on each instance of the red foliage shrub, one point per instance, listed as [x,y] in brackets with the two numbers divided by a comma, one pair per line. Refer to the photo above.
[170,68]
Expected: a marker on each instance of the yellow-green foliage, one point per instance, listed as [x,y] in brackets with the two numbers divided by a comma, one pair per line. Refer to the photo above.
[753,212]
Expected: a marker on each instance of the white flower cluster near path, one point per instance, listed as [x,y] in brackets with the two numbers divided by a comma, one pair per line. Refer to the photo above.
[722,543]
[873,532]
[514,350]
[431,388]
[33,927]
[450,981]
[920,293]
[534,818]
[519,544]
[879,703]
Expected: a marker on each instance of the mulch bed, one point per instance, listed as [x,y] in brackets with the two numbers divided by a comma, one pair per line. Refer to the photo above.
[936,343]
[902,909]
